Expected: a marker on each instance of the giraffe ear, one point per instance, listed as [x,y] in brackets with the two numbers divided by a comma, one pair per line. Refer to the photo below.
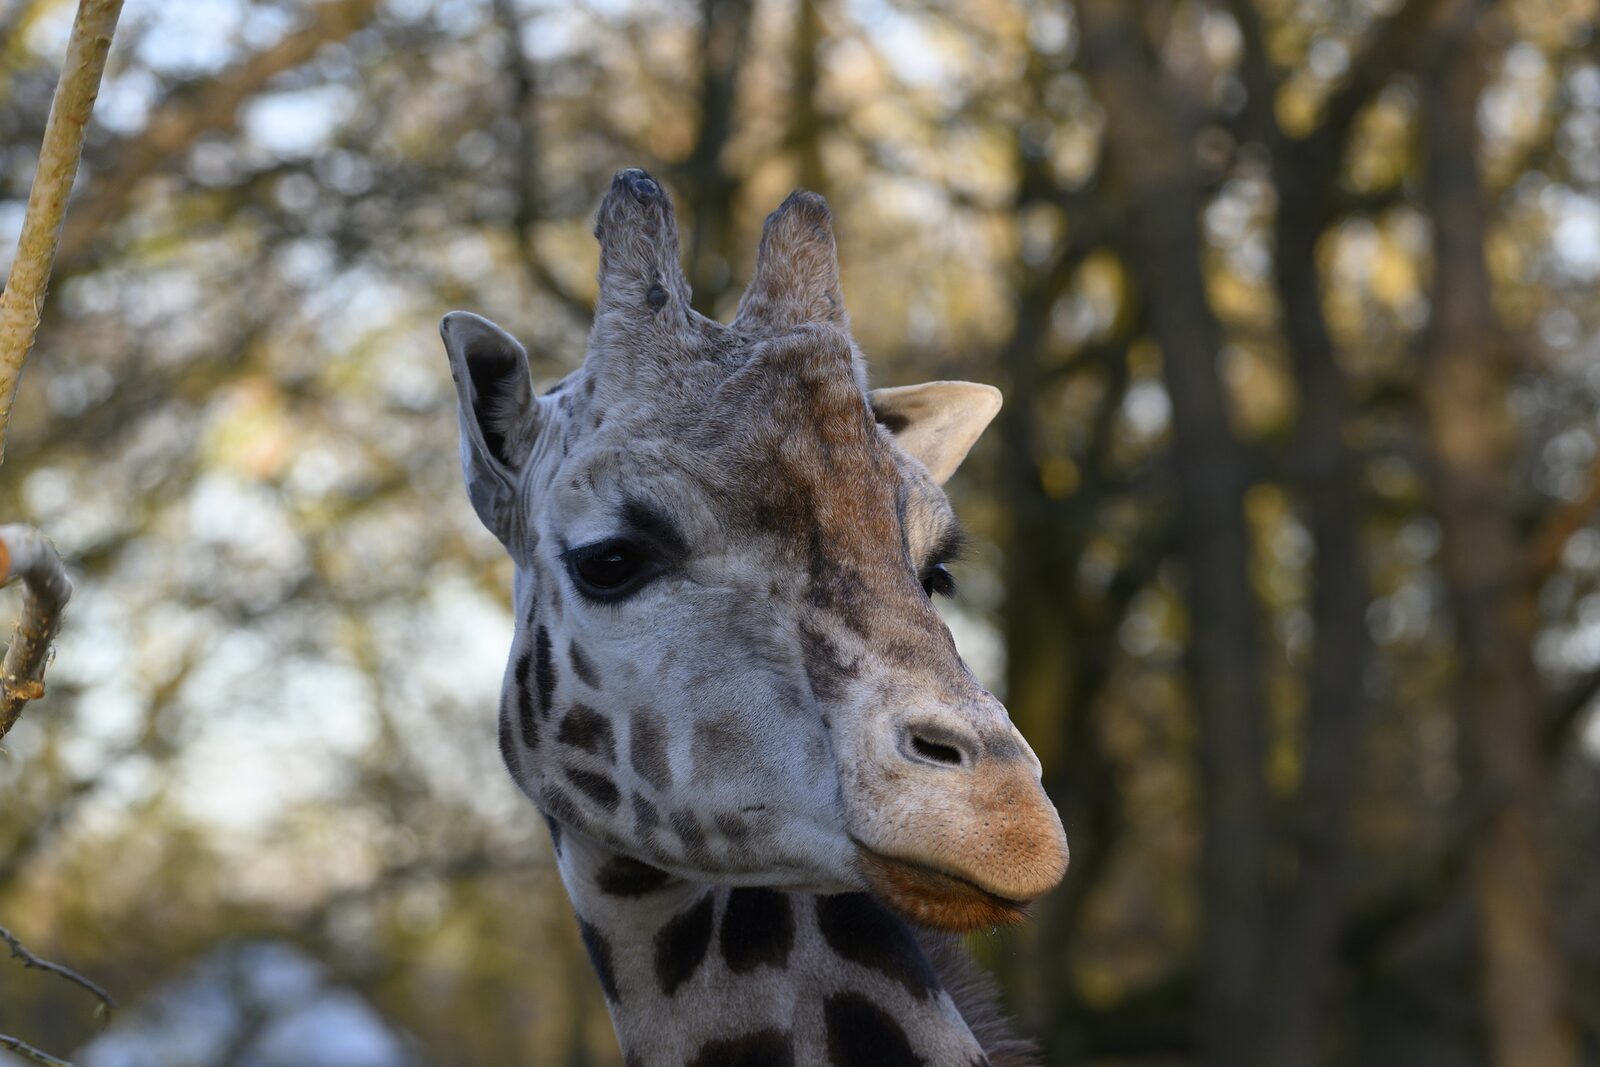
[497,411]
[936,422]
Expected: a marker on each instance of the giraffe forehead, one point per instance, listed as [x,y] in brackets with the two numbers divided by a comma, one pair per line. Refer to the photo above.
[786,446]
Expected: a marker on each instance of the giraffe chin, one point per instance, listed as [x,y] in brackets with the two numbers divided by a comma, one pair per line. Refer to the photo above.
[934,898]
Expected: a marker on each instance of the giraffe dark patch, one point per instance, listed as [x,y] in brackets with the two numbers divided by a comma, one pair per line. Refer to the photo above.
[556,804]
[689,832]
[725,741]
[582,667]
[647,749]
[544,671]
[555,833]
[861,1034]
[862,931]
[757,929]
[764,1048]
[600,956]
[506,741]
[733,828]
[1002,746]
[597,787]
[585,728]
[623,876]
[645,816]
[524,695]
[826,669]
[681,945]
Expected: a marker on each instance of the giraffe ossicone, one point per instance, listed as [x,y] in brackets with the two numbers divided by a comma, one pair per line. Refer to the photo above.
[767,771]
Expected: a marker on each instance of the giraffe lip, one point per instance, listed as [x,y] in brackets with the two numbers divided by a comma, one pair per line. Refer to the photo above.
[934,897]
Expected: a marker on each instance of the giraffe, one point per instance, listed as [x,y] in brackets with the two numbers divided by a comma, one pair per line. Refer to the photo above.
[774,790]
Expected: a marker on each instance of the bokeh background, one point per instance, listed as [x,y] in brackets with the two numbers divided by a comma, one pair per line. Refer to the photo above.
[1286,556]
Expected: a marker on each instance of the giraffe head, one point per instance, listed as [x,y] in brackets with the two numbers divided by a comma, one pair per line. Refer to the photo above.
[727,664]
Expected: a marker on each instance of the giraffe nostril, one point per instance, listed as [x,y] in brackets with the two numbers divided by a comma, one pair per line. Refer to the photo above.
[936,752]
[930,743]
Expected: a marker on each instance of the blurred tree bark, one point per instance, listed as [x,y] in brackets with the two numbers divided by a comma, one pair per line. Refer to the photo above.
[1324,472]
[710,186]
[1468,363]
[1148,149]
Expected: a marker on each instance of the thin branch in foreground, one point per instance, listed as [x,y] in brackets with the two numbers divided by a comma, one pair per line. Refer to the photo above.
[25,553]
[21,952]
[28,1052]
[22,304]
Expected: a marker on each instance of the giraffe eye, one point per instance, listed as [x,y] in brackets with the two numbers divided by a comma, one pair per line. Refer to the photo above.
[609,570]
[938,581]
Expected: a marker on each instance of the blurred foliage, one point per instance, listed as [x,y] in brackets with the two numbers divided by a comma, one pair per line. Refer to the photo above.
[272,706]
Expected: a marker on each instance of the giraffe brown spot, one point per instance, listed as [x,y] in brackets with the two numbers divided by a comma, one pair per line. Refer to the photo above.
[826,670]
[757,929]
[506,741]
[524,696]
[863,931]
[587,729]
[600,956]
[555,833]
[733,828]
[582,667]
[544,671]
[647,749]
[764,1048]
[724,741]
[861,1034]
[597,787]
[681,945]
[556,804]
[623,876]
[645,816]
[693,838]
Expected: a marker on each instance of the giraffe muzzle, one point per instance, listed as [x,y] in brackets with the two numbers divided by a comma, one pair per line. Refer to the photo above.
[960,835]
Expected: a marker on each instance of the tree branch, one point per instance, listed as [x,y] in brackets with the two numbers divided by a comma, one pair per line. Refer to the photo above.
[1566,709]
[1548,541]
[1388,47]
[530,200]
[28,1052]
[26,554]
[177,124]
[22,304]
[20,951]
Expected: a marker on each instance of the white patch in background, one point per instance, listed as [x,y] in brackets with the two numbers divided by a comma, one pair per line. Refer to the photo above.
[980,644]
[297,123]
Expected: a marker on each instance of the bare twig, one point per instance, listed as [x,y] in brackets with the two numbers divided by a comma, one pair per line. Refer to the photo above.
[23,301]
[26,554]
[21,952]
[28,1052]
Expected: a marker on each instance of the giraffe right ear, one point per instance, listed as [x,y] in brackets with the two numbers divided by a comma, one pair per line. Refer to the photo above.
[936,422]
[497,411]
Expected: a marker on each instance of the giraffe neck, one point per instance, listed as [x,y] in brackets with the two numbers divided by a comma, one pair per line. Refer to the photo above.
[714,976]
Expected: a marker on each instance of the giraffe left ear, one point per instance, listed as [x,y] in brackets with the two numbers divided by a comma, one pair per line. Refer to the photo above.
[936,422]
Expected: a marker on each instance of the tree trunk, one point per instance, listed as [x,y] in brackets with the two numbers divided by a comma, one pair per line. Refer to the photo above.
[1466,379]
[1308,912]
[1149,151]
[724,40]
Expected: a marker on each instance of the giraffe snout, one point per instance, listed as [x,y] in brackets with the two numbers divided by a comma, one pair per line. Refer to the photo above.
[958,832]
